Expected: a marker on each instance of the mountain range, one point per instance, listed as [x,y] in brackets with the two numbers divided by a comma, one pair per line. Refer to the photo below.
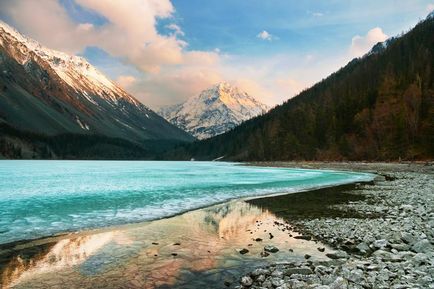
[377,107]
[214,111]
[50,93]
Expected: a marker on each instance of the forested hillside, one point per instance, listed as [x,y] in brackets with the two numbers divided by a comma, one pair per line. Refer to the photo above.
[378,107]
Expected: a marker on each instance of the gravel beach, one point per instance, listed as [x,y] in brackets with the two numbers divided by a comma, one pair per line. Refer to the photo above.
[388,244]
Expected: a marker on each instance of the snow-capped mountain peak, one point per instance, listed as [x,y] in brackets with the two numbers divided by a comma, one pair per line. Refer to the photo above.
[50,92]
[76,71]
[214,111]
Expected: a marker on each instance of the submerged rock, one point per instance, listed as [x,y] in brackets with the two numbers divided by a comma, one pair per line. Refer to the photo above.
[303,237]
[243,251]
[271,249]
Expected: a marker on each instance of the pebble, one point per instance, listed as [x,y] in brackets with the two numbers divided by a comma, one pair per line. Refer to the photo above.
[246,281]
[422,246]
[337,255]
[301,271]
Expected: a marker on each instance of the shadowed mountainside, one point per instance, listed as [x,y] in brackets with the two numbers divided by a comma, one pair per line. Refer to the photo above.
[378,107]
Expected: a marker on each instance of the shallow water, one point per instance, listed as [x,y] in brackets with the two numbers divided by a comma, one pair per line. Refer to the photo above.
[40,198]
[198,249]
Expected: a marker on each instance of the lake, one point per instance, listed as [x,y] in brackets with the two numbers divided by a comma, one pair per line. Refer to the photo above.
[41,198]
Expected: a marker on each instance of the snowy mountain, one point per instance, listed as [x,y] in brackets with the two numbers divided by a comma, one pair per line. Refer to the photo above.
[214,111]
[50,92]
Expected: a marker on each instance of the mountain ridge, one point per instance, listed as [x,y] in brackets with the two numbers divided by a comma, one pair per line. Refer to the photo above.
[214,111]
[377,107]
[51,92]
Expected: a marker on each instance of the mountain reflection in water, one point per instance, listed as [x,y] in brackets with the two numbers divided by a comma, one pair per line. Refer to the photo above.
[191,250]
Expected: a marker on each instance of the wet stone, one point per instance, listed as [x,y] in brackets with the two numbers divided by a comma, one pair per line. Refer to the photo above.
[337,255]
[243,251]
[271,249]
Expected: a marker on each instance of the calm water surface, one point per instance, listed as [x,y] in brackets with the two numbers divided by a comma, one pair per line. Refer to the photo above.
[40,198]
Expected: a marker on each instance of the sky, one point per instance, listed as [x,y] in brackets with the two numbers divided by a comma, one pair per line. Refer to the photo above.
[164,51]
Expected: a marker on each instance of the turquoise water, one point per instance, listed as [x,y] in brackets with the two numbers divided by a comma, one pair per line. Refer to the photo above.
[40,198]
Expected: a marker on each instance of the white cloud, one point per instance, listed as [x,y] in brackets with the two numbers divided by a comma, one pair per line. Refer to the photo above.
[362,44]
[176,29]
[430,8]
[315,13]
[130,32]
[264,35]
[169,71]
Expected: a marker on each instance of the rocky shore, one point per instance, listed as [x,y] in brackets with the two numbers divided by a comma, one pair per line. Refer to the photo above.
[390,247]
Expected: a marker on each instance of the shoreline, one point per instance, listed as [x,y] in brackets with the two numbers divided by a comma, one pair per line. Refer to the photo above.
[59,235]
[214,237]
[25,243]
[392,247]
[302,226]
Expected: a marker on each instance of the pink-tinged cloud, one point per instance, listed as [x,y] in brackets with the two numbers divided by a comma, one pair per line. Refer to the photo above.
[126,81]
[170,71]
[362,44]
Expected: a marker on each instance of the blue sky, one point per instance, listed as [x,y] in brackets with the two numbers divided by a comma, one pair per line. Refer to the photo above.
[163,51]
[298,25]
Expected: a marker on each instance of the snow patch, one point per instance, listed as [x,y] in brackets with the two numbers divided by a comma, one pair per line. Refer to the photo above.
[82,124]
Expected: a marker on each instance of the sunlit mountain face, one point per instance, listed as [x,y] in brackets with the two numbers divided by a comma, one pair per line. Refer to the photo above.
[50,92]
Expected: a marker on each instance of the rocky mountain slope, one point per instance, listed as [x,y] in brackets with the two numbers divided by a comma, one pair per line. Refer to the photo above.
[51,93]
[214,111]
